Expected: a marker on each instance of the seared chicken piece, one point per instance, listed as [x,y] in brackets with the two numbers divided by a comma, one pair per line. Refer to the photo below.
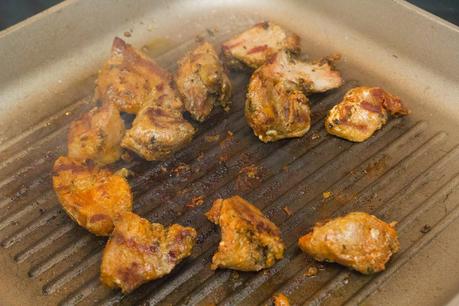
[363,111]
[358,240]
[256,45]
[97,135]
[250,242]
[139,251]
[202,81]
[131,81]
[90,195]
[157,132]
[276,105]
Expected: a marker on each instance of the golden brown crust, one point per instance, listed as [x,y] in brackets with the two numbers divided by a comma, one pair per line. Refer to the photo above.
[202,81]
[276,105]
[250,242]
[157,132]
[96,135]
[363,111]
[358,240]
[91,196]
[130,80]
[139,251]
[256,45]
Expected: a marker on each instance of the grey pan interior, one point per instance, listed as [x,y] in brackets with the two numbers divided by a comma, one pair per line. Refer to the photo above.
[47,68]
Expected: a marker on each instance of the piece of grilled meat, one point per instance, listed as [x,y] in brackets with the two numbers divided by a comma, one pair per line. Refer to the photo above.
[202,81]
[257,44]
[157,132]
[90,195]
[131,80]
[363,111]
[277,106]
[250,242]
[97,135]
[139,251]
[358,240]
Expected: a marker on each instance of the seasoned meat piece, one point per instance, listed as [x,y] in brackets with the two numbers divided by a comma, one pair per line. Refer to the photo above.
[276,105]
[202,81]
[131,81]
[250,242]
[97,135]
[139,251]
[358,240]
[157,132]
[363,111]
[90,195]
[281,300]
[254,46]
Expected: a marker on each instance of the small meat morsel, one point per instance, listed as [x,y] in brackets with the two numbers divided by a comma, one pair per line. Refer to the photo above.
[358,240]
[363,111]
[277,106]
[250,242]
[281,300]
[131,80]
[157,132]
[139,251]
[202,81]
[257,44]
[90,195]
[97,135]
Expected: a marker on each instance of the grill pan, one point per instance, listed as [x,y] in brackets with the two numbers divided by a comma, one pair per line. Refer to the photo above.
[407,172]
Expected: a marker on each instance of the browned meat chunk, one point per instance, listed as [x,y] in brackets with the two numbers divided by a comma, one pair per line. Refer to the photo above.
[97,135]
[202,81]
[139,251]
[363,111]
[131,80]
[254,46]
[157,132]
[358,240]
[90,195]
[250,242]
[276,105]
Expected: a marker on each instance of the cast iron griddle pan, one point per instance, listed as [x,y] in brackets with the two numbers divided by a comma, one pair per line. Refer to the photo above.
[407,172]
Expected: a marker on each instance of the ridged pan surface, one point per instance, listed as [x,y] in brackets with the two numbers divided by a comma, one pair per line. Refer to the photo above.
[407,172]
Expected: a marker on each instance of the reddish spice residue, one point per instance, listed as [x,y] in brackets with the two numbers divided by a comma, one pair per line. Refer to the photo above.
[181,169]
[160,87]
[257,49]
[371,107]
[225,143]
[131,243]
[127,34]
[230,45]
[130,276]
[98,217]
[251,171]
[248,178]
[195,202]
